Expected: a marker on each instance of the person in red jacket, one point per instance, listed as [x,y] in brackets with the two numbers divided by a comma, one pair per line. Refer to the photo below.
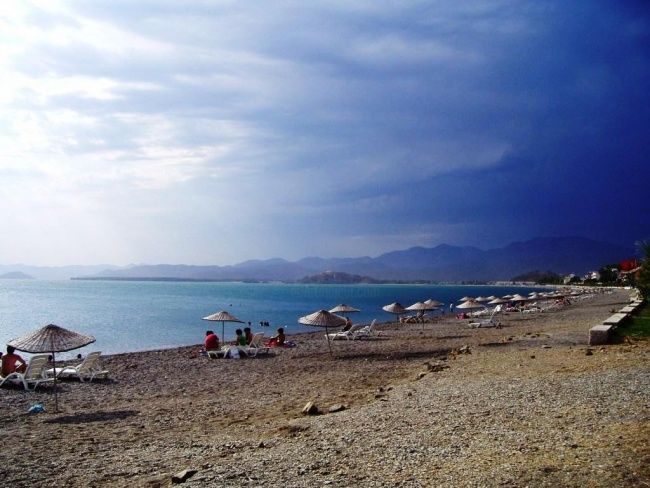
[211,341]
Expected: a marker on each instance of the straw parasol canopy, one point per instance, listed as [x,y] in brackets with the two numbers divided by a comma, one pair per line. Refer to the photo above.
[492,297]
[519,298]
[323,318]
[433,303]
[222,317]
[419,307]
[344,309]
[482,299]
[394,307]
[470,304]
[465,299]
[51,339]
[497,301]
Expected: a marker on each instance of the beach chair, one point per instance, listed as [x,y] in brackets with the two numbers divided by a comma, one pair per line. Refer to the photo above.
[89,369]
[347,334]
[34,375]
[368,331]
[491,322]
[256,346]
[218,353]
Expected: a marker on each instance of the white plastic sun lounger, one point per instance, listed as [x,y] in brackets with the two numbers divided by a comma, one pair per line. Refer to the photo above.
[34,375]
[347,335]
[368,331]
[87,370]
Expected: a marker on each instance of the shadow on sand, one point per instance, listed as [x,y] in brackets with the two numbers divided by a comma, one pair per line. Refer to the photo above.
[440,353]
[83,418]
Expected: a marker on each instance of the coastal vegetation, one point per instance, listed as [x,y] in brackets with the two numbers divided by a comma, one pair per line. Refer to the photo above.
[541,277]
[642,276]
[637,327]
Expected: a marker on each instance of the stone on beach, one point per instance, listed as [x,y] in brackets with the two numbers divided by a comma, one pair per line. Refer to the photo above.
[183,476]
[310,409]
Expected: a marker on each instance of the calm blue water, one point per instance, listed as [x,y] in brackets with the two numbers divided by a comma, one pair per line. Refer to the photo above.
[135,316]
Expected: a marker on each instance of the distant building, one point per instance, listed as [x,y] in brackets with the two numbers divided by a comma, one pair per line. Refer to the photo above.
[567,279]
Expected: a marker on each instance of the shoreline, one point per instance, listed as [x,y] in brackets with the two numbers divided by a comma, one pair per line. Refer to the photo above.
[380,323]
[424,406]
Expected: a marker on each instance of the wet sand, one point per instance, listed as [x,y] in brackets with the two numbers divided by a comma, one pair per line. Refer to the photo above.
[425,405]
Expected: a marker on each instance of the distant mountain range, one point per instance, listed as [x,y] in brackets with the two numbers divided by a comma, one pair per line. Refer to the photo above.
[562,255]
[15,275]
[55,272]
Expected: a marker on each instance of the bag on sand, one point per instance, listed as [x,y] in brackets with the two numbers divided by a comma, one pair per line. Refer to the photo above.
[233,352]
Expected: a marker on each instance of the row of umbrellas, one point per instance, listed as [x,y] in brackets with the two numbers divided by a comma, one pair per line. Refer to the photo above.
[330,318]
[52,338]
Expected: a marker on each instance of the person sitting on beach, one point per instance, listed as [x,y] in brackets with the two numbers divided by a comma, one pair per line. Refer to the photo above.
[278,339]
[211,341]
[248,334]
[348,324]
[12,362]
[240,339]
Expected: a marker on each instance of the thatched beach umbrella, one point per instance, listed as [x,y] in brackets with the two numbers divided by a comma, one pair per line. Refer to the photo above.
[471,305]
[420,308]
[497,301]
[51,339]
[482,299]
[344,309]
[395,308]
[323,318]
[433,303]
[222,317]
[519,298]
[465,299]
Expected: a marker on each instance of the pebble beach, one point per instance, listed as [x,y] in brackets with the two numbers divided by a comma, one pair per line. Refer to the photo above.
[435,404]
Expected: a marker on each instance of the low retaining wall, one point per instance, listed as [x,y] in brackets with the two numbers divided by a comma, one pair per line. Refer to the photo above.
[600,334]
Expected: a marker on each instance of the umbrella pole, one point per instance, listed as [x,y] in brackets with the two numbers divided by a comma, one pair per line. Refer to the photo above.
[223,334]
[329,344]
[56,392]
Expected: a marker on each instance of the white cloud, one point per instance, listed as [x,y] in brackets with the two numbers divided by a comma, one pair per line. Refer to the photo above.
[124,118]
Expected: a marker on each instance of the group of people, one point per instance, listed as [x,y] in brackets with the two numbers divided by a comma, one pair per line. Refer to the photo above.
[242,338]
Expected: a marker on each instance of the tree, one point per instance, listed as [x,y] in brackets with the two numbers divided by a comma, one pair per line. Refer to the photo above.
[609,274]
[642,276]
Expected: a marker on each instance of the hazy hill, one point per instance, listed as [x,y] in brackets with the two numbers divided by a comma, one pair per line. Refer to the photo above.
[55,272]
[16,275]
[336,277]
[561,255]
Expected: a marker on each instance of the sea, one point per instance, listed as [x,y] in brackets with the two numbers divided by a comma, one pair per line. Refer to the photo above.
[129,316]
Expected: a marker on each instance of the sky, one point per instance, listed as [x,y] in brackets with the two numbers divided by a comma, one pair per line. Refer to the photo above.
[212,132]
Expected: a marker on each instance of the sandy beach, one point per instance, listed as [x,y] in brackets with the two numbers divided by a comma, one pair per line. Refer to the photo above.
[425,405]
